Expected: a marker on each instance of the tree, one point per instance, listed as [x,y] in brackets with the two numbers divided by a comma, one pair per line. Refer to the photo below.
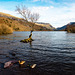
[23,11]
[33,18]
[26,13]
[28,16]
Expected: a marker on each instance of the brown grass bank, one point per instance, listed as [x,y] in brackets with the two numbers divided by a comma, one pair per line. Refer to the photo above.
[4,29]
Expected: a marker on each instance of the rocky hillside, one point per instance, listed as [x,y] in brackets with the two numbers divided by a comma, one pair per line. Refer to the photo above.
[46,25]
[70,27]
[19,24]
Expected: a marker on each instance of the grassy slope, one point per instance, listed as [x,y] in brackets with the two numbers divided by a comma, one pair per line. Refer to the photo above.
[4,14]
[4,29]
[45,25]
[17,24]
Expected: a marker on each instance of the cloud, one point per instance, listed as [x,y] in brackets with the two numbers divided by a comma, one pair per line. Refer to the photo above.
[49,1]
[10,12]
[57,16]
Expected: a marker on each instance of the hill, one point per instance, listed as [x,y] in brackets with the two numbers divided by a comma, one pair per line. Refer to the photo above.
[18,24]
[70,27]
[47,25]
[61,28]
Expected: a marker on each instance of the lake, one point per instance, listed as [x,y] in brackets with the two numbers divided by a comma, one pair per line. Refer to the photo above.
[52,51]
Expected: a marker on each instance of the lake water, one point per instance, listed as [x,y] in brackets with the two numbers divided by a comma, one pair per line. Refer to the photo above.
[52,51]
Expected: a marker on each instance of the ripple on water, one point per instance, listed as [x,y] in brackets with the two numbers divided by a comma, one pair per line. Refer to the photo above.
[53,54]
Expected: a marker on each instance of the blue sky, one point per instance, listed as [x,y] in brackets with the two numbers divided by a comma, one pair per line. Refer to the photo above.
[55,12]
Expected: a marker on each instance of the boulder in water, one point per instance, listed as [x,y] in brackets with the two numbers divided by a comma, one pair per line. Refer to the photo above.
[27,40]
[9,63]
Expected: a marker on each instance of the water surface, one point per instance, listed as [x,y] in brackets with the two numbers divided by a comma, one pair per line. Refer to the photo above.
[52,51]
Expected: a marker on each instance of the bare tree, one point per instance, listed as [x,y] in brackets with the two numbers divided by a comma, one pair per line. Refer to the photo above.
[34,17]
[26,13]
[28,16]
[23,11]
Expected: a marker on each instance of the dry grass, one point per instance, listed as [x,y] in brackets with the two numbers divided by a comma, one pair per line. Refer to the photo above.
[1,13]
[14,24]
[44,25]
[8,25]
[4,29]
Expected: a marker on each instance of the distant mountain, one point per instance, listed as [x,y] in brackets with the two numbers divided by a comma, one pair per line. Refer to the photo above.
[71,23]
[47,25]
[63,28]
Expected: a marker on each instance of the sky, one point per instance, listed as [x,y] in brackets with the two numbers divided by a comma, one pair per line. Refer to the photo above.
[56,12]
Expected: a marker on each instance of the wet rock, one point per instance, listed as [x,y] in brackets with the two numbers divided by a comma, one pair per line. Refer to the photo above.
[9,63]
[27,40]
[33,66]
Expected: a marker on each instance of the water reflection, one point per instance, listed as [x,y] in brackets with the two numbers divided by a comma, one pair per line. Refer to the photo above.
[30,44]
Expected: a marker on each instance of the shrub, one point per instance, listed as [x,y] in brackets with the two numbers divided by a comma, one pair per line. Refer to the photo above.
[41,29]
[4,29]
[7,21]
[71,28]
[10,22]
[9,25]
[16,29]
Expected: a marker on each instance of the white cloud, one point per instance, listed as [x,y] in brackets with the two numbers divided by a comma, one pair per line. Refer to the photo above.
[55,15]
[10,12]
[49,1]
